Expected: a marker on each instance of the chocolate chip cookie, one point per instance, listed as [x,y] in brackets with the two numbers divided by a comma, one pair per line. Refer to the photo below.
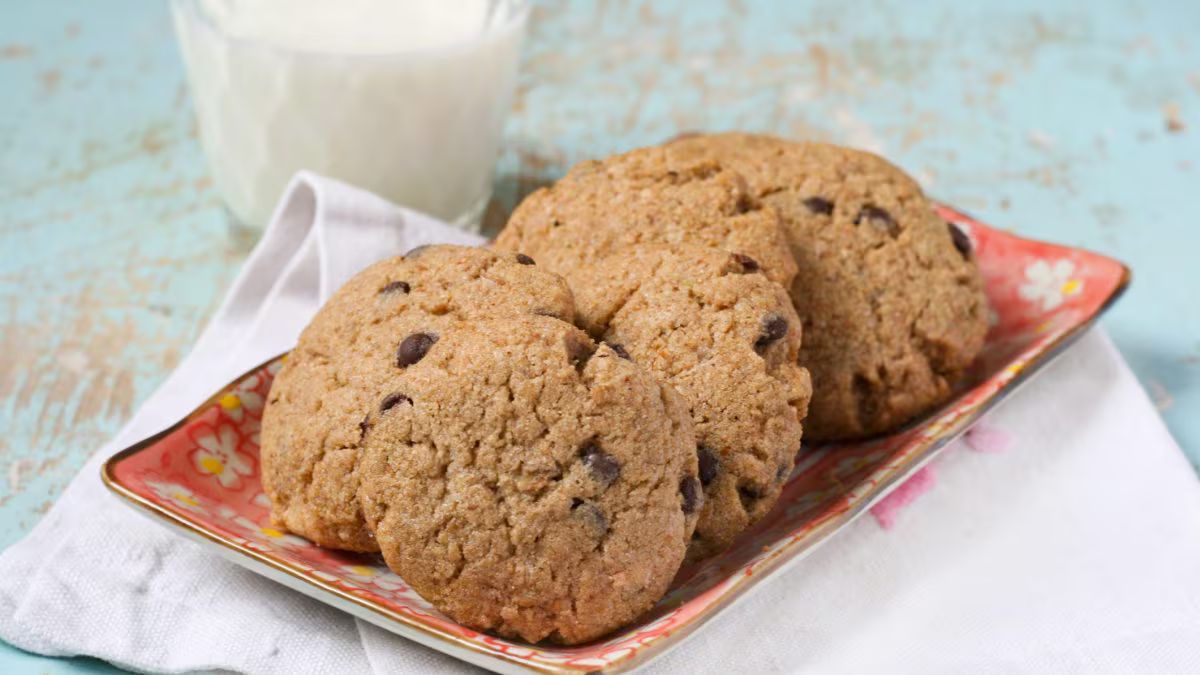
[712,325]
[529,482]
[381,322]
[889,293]
[650,195]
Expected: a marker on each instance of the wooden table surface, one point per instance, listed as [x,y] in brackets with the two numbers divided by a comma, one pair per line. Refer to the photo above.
[1072,122]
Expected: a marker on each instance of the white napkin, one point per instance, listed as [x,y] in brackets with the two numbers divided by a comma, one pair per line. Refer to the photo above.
[1069,543]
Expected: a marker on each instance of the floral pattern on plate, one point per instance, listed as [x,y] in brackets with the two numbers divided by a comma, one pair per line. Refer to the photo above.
[202,475]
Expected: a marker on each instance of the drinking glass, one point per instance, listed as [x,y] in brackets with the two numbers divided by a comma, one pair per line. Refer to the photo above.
[406,98]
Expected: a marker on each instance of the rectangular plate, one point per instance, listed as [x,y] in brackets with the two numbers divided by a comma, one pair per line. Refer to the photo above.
[201,478]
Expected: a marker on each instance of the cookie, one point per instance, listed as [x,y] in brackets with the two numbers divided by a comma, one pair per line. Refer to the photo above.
[382,321]
[530,483]
[890,294]
[650,195]
[713,326]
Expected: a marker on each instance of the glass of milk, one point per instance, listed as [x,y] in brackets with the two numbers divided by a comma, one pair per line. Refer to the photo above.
[406,98]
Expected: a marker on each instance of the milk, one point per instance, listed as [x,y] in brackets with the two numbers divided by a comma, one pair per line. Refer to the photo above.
[406,98]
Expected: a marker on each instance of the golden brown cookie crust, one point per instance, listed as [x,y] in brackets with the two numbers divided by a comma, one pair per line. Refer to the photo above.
[893,306]
[712,325]
[335,375]
[649,195]
[528,482]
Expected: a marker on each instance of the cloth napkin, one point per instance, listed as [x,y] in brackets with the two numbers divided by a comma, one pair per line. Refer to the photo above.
[1061,535]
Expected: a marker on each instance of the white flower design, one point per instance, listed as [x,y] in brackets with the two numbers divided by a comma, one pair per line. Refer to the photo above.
[252,429]
[263,533]
[1049,284]
[176,494]
[381,578]
[243,400]
[217,455]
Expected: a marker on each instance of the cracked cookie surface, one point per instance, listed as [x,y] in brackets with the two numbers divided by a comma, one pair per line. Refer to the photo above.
[712,325]
[529,482]
[361,337]
[649,195]
[890,295]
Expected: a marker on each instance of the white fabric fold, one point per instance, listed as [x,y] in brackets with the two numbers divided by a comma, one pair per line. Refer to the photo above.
[1076,549]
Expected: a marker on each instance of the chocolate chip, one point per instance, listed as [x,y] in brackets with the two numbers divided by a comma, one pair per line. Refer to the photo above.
[416,252]
[879,218]
[708,464]
[604,467]
[556,223]
[748,495]
[689,487]
[413,348]
[591,513]
[395,287]
[392,400]
[579,350]
[524,259]
[364,426]
[961,241]
[620,350]
[748,264]
[819,205]
[774,327]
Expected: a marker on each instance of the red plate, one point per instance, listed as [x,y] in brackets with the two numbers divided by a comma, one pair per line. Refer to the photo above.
[201,477]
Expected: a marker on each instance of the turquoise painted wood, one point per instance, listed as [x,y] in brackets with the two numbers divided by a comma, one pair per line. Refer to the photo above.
[1074,122]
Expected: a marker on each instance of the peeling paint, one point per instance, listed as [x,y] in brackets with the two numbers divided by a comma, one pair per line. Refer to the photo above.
[16,472]
[1172,118]
[14,51]
[1040,139]
[50,81]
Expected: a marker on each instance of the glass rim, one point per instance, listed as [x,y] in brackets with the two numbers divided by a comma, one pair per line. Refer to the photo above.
[194,12]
